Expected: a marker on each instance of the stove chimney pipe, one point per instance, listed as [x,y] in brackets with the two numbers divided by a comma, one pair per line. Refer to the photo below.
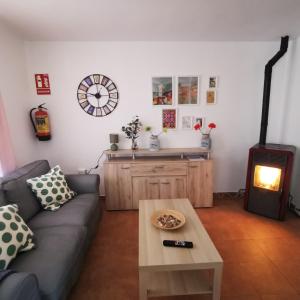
[267,87]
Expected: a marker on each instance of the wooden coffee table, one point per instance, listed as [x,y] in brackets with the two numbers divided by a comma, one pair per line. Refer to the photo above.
[168,271]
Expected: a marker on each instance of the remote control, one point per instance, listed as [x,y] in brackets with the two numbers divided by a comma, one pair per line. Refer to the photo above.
[180,244]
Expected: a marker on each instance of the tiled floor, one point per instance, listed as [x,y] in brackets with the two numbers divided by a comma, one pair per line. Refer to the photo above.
[261,256]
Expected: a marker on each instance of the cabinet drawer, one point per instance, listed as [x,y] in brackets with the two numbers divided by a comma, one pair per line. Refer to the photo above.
[198,164]
[159,169]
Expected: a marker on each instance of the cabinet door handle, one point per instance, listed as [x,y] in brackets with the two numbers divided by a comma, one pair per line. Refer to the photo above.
[165,182]
[125,168]
[159,167]
[153,182]
[193,166]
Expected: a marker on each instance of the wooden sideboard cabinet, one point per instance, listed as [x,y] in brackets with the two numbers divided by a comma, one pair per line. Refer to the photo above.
[164,187]
[129,180]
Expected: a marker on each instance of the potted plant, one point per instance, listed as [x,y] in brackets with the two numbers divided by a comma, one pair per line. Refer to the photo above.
[132,131]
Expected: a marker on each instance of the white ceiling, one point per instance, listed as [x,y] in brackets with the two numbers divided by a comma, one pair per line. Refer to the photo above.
[152,20]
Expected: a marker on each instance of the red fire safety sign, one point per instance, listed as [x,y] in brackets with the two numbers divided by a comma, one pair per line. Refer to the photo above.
[42,84]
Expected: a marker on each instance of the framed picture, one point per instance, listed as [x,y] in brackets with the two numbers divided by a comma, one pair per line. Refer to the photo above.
[198,120]
[187,122]
[188,90]
[211,96]
[213,82]
[162,90]
[169,118]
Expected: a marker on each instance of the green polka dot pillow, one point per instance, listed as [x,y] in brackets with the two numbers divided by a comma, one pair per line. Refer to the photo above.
[51,189]
[15,235]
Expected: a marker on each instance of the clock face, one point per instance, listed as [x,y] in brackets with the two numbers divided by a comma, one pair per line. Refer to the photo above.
[97,95]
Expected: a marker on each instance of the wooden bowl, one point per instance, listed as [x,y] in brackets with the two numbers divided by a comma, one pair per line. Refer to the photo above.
[178,215]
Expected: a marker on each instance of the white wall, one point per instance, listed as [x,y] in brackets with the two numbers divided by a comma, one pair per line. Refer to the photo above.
[291,120]
[15,93]
[78,138]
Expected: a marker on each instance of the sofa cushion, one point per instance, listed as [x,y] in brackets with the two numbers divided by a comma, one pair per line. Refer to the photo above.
[16,190]
[78,211]
[2,199]
[51,189]
[20,286]
[57,250]
[15,235]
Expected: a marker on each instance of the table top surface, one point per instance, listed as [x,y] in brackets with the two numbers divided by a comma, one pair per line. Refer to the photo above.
[154,256]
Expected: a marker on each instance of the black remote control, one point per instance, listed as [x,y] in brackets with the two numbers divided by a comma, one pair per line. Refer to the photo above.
[180,244]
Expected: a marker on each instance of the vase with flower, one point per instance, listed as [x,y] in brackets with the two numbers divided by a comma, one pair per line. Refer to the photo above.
[205,139]
[154,144]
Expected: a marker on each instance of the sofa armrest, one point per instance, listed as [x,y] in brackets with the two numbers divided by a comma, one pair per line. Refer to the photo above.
[84,183]
[20,286]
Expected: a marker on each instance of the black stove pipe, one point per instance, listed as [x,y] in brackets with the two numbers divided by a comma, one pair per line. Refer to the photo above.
[267,88]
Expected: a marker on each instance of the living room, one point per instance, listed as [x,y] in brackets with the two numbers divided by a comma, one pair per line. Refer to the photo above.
[223,47]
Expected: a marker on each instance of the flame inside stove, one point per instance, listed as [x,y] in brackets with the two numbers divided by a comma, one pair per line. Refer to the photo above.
[267,178]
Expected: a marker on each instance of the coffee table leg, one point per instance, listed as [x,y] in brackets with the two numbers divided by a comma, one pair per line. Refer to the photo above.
[143,285]
[217,282]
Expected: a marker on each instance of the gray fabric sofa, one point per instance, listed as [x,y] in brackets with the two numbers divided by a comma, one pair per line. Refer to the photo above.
[62,237]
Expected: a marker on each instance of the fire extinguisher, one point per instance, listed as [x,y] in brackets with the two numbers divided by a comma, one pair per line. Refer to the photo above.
[40,122]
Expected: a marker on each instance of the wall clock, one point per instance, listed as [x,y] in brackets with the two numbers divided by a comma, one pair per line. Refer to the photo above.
[97,95]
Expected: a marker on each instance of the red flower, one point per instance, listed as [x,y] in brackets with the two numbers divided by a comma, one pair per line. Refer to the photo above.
[197,126]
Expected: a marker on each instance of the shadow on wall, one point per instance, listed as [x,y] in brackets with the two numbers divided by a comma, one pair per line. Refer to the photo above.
[291,121]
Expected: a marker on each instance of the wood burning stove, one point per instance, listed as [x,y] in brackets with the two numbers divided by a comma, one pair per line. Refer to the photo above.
[269,165]
[268,179]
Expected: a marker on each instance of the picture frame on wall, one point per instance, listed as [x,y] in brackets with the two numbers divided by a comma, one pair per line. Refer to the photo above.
[169,118]
[188,90]
[198,120]
[187,122]
[162,90]
[213,82]
[211,96]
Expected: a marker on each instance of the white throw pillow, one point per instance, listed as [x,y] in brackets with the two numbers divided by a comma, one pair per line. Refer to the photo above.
[15,235]
[51,189]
